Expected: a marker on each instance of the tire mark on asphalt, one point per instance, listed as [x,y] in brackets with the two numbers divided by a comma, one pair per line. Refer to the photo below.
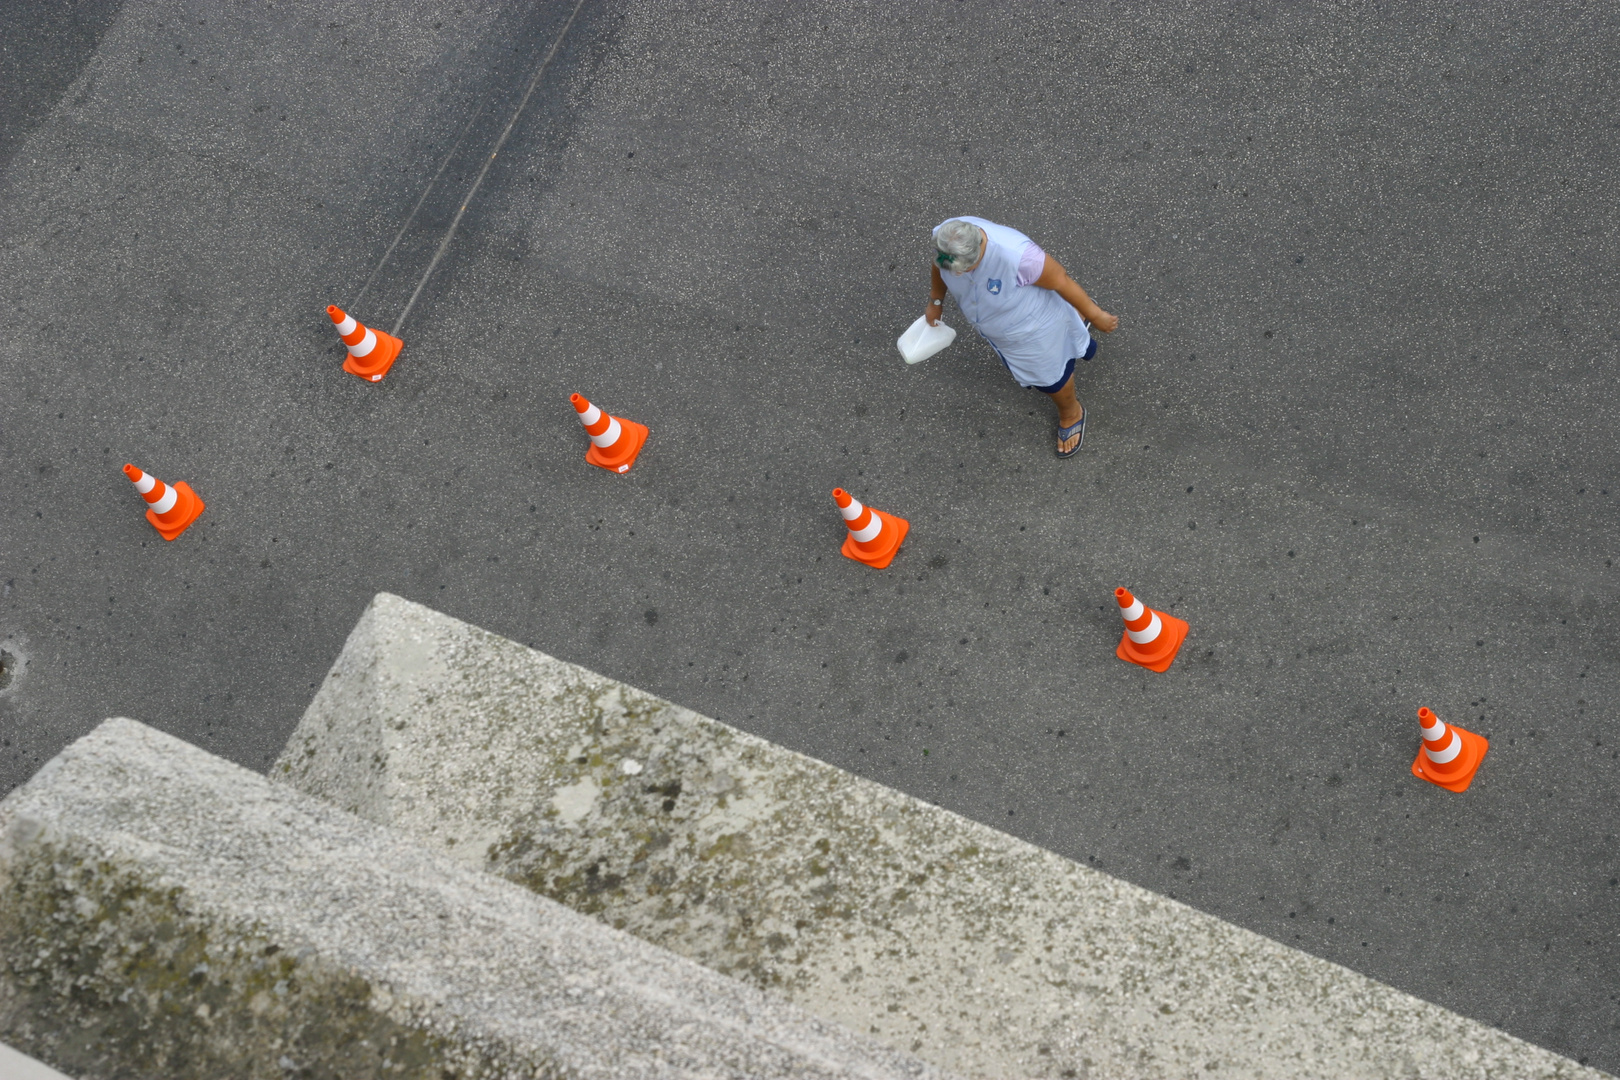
[455,223]
[403,229]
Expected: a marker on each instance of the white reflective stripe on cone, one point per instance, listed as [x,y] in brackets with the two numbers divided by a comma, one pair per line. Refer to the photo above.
[1142,637]
[165,504]
[608,437]
[146,483]
[853,510]
[1133,612]
[1450,752]
[866,535]
[590,416]
[347,326]
[366,344]
[1434,733]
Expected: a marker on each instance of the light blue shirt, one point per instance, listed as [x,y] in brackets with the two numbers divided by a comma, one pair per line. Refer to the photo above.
[1034,330]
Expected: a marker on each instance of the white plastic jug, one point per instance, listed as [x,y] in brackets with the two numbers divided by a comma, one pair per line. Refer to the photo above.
[920,341]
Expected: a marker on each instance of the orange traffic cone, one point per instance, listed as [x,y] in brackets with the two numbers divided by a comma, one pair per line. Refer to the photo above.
[1450,755]
[1152,638]
[874,537]
[171,510]
[371,352]
[615,442]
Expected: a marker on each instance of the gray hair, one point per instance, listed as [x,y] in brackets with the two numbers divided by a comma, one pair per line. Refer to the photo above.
[962,241]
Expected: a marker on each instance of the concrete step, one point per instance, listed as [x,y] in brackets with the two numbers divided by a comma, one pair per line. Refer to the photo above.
[19,1066]
[942,937]
[165,913]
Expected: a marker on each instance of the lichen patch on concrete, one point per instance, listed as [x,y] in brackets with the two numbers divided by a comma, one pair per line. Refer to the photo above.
[167,913]
[939,936]
[573,801]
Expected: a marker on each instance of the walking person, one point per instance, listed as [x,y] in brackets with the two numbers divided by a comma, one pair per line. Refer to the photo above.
[1036,317]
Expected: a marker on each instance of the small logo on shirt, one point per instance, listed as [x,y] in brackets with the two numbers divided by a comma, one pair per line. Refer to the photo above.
[993,286]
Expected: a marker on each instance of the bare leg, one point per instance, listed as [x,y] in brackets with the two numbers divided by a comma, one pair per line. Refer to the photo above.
[1069,411]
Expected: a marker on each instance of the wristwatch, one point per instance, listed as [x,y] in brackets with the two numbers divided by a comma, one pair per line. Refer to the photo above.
[937,303]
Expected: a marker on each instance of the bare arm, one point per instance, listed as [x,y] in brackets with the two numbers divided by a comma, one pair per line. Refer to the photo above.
[936,296]
[1054,277]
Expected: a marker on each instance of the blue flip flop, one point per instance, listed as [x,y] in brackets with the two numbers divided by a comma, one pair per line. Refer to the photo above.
[1066,432]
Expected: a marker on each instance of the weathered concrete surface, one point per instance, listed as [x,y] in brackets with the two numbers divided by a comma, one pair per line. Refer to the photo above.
[1366,268]
[17,1066]
[976,951]
[166,913]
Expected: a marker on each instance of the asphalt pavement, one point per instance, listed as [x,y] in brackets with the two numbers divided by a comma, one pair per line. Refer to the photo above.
[1355,426]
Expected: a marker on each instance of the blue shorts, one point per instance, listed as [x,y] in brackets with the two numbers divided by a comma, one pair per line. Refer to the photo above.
[1068,370]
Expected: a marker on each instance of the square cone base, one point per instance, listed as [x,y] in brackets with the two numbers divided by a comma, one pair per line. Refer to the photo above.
[631,433]
[895,526]
[194,508]
[381,359]
[1473,752]
[1173,633]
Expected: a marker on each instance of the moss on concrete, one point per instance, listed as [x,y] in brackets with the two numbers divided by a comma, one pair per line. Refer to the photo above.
[942,937]
[164,913]
[109,974]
